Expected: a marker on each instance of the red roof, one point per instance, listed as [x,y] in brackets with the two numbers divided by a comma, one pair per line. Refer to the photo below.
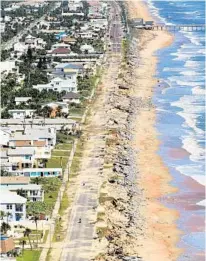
[61,50]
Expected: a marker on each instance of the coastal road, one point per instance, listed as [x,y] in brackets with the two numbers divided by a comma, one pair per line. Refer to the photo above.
[115,30]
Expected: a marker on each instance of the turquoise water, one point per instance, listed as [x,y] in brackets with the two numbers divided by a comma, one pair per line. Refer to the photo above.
[180,101]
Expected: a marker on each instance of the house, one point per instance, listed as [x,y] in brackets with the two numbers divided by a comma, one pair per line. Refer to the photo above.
[33,42]
[4,137]
[60,84]
[22,157]
[86,48]
[60,52]
[68,40]
[32,192]
[37,172]
[13,204]
[21,114]
[74,5]
[87,35]
[19,100]
[20,49]
[60,45]
[7,67]
[14,181]
[29,39]
[7,245]
[71,97]
[64,68]
[2,27]
[60,35]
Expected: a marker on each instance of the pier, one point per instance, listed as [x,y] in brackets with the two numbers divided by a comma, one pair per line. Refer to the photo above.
[185,27]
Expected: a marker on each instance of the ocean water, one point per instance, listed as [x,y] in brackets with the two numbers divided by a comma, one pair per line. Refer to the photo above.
[180,102]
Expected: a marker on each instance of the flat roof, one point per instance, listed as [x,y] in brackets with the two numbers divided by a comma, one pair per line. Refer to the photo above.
[23,187]
[14,180]
[20,151]
[37,121]
[8,197]
[35,170]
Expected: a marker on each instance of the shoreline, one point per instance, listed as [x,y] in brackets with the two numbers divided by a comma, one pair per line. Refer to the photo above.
[162,234]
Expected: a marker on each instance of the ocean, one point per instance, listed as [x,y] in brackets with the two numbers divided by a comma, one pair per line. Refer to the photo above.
[180,103]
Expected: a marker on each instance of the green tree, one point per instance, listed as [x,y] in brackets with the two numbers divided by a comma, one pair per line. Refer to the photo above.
[2,214]
[23,243]
[5,227]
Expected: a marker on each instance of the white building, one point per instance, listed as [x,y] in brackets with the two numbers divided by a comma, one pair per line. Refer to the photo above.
[2,27]
[21,114]
[60,84]
[4,137]
[71,97]
[32,192]
[20,49]
[7,67]
[14,204]
[19,100]
[87,48]
[60,45]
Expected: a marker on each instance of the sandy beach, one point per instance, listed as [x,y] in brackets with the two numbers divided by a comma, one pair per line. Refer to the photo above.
[161,235]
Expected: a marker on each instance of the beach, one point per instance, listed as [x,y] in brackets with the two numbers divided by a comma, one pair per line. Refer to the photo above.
[161,235]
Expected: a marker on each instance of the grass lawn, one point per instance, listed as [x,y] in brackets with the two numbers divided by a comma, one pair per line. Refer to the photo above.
[76,111]
[30,255]
[64,146]
[55,162]
[60,153]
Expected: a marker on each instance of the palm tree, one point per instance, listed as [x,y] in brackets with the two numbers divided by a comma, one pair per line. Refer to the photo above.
[23,243]
[5,227]
[27,233]
[59,111]
[36,218]
[2,214]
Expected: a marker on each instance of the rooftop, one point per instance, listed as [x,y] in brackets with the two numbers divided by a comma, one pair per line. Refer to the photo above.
[71,95]
[61,50]
[20,151]
[8,197]
[14,180]
[23,187]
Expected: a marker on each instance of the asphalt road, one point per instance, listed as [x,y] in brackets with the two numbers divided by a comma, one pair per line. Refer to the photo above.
[115,30]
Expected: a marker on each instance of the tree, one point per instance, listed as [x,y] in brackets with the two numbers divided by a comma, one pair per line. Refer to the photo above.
[59,111]
[2,214]
[27,233]
[39,65]
[5,227]
[23,243]
[36,218]
[4,173]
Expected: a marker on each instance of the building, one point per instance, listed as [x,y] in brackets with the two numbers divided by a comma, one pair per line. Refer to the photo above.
[22,157]
[60,52]
[32,192]
[138,22]
[86,48]
[13,204]
[7,67]
[6,181]
[21,114]
[71,97]
[2,27]
[60,84]
[19,100]
[64,68]
[38,172]
[7,245]
[4,137]
[60,45]
[149,24]
[68,40]
[20,49]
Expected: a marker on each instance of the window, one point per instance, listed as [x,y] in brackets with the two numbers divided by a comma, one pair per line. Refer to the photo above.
[57,83]
[27,157]
[9,206]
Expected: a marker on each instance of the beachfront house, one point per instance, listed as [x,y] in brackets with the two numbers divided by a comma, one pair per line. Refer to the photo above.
[38,172]
[60,84]
[32,192]
[21,113]
[9,180]
[71,97]
[19,100]
[87,48]
[13,204]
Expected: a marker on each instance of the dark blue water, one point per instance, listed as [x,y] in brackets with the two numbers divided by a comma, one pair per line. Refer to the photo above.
[180,101]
